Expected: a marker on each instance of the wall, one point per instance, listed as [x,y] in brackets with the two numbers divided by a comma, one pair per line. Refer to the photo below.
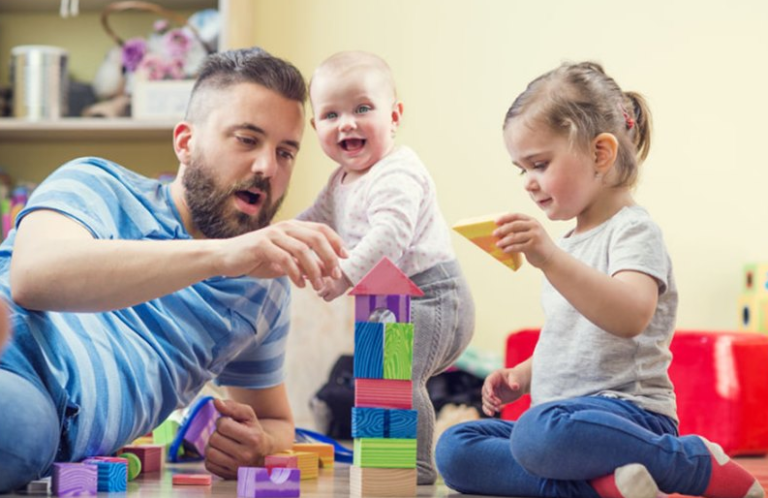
[460,64]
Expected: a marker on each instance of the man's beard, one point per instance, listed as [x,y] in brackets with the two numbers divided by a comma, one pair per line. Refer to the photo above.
[211,207]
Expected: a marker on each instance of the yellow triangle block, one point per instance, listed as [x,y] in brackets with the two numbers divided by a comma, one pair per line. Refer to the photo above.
[478,231]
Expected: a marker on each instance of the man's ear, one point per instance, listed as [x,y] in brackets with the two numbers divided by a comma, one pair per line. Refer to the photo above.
[605,148]
[182,136]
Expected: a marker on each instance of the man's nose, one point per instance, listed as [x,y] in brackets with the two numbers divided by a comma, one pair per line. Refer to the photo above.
[265,163]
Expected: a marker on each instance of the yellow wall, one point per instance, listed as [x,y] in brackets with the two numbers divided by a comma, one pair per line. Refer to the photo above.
[460,63]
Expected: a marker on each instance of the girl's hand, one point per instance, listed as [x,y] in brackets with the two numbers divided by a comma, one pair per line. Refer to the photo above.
[501,387]
[521,233]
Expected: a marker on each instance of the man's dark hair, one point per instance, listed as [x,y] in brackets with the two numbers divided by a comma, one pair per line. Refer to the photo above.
[248,65]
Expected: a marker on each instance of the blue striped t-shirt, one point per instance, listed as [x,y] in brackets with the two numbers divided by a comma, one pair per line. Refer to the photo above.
[120,373]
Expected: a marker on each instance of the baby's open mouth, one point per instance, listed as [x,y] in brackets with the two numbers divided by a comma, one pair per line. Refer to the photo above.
[350,144]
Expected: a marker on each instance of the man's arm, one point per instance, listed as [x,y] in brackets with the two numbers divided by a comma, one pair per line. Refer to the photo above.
[254,423]
[57,265]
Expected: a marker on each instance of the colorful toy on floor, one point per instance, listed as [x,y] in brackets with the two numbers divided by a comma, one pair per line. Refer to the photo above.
[323,451]
[306,461]
[191,479]
[37,487]
[74,479]
[194,432]
[134,464]
[384,424]
[478,231]
[112,475]
[150,455]
[753,302]
[720,381]
[258,482]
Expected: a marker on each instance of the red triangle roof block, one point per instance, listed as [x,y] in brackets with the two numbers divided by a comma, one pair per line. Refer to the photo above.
[385,279]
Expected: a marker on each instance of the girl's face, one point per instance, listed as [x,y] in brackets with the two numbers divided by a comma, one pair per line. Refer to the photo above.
[560,178]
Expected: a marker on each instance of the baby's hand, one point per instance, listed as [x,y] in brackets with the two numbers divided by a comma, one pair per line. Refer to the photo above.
[521,233]
[500,387]
[334,287]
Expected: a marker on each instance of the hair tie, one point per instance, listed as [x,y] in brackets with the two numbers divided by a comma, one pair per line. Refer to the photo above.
[630,122]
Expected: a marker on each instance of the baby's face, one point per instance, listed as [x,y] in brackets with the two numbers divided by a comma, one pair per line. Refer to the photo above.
[355,116]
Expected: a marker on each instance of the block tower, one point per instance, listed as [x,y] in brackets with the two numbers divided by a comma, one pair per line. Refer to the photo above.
[383,423]
[753,303]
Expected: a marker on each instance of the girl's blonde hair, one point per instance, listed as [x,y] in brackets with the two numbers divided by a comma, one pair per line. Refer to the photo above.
[580,101]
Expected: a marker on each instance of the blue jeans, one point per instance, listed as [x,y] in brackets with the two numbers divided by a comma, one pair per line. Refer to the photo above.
[555,448]
[29,431]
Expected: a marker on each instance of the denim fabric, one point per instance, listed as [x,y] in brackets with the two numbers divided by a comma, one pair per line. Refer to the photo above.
[555,448]
[29,431]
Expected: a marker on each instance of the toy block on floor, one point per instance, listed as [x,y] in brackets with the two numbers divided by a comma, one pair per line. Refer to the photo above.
[134,464]
[398,351]
[307,462]
[384,393]
[385,453]
[258,482]
[150,455]
[112,476]
[74,479]
[479,231]
[191,479]
[200,424]
[282,460]
[384,288]
[384,423]
[37,487]
[324,451]
[165,433]
[368,481]
[369,350]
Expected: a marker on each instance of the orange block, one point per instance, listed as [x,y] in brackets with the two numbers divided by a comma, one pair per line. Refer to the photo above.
[478,231]
[324,452]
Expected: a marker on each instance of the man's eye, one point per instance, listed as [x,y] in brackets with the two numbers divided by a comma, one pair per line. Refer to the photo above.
[246,140]
[286,154]
[363,109]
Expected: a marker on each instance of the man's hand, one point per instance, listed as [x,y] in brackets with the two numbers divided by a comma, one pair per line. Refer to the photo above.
[300,249]
[239,440]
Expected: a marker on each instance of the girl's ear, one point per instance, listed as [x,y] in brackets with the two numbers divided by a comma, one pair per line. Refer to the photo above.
[605,148]
[182,136]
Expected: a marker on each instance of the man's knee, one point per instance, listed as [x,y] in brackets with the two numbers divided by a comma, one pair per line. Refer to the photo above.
[29,433]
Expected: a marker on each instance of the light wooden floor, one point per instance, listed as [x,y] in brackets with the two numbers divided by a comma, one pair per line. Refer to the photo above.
[331,483]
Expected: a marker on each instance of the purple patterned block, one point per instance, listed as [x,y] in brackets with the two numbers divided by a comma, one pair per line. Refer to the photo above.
[74,479]
[258,482]
[398,304]
[201,427]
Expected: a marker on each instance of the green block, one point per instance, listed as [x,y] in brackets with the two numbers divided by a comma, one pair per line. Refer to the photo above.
[165,433]
[398,351]
[385,453]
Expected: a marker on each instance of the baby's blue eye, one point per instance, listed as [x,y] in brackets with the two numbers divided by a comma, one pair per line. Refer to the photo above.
[363,109]
[331,115]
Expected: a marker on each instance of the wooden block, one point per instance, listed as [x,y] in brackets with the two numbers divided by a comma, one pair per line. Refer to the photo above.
[385,453]
[369,350]
[381,482]
[151,456]
[368,422]
[478,231]
[398,351]
[37,487]
[134,464]
[191,479]
[165,433]
[281,460]
[383,423]
[257,482]
[307,462]
[112,475]
[74,479]
[377,308]
[325,452]
[384,393]
[386,279]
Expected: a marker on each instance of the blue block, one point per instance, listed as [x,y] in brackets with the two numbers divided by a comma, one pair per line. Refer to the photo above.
[368,422]
[384,423]
[402,424]
[369,350]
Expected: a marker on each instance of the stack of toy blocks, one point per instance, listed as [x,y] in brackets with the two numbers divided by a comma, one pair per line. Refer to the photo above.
[383,423]
[753,303]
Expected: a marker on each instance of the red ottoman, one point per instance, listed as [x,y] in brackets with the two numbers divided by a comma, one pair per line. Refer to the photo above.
[721,381]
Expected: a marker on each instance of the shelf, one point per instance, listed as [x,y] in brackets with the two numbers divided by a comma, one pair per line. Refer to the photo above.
[85,129]
[94,5]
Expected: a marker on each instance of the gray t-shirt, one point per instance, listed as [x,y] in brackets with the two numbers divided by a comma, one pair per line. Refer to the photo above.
[574,357]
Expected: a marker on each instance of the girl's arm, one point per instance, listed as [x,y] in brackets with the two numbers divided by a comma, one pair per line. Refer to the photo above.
[622,304]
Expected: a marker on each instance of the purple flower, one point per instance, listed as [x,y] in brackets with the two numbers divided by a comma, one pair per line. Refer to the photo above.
[153,66]
[133,52]
[176,43]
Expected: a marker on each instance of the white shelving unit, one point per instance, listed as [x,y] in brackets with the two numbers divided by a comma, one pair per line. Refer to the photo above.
[15,130]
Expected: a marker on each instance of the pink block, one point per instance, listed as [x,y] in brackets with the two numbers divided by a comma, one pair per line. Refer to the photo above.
[384,393]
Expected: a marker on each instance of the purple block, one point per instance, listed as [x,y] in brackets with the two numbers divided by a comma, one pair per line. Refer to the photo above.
[201,427]
[399,305]
[74,479]
[258,482]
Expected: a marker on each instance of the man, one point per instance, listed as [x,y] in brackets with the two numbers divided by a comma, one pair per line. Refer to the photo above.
[126,296]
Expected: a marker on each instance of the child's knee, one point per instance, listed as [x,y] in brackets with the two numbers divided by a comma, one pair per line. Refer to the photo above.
[451,456]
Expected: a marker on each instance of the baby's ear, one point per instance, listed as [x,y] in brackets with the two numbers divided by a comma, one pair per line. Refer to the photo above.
[397,113]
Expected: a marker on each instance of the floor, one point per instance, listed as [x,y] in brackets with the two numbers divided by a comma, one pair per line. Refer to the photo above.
[331,483]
